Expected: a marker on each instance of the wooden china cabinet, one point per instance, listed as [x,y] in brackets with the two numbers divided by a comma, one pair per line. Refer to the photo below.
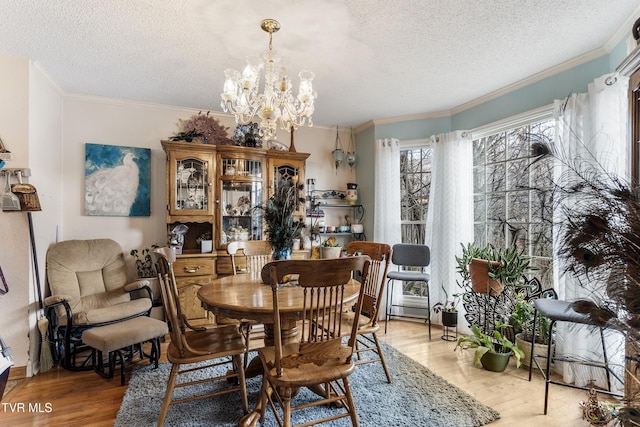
[215,189]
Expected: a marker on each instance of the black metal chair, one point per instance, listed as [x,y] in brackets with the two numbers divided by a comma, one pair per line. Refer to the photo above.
[411,261]
[563,311]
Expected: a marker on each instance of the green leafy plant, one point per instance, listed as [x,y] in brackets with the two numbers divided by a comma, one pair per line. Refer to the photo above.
[483,343]
[277,212]
[522,322]
[514,264]
[144,262]
[331,242]
[449,305]
[204,236]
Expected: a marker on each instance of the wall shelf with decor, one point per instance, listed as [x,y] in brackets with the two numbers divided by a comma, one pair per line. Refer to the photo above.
[335,200]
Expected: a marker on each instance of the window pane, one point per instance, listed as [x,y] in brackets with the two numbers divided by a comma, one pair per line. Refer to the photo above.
[518,177]
[495,146]
[518,210]
[495,177]
[518,143]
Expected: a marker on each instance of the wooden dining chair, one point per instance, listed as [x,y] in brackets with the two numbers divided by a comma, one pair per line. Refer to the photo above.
[373,290]
[191,345]
[321,360]
[256,254]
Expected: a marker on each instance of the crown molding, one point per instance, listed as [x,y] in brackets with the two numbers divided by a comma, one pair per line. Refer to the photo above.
[623,31]
[549,72]
[38,66]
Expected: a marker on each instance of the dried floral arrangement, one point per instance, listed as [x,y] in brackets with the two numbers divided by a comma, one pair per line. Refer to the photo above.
[277,212]
[600,236]
[202,129]
[599,242]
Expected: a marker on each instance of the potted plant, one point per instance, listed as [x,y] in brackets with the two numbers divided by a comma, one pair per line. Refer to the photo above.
[146,270]
[277,213]
[492,351]
[331,248]
[490,269]
[144,262]
[448,308]
[205,242]
[522,322]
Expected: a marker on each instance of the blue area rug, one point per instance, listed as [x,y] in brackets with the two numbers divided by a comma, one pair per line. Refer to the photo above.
[417,397]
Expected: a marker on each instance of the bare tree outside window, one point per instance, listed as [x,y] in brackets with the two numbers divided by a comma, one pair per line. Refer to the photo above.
[415,185]
[509,208]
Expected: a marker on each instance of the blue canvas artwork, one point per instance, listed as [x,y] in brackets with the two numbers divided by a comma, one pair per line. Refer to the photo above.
[117,181]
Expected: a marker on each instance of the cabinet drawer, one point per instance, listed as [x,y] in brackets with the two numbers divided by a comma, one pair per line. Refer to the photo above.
[196,266]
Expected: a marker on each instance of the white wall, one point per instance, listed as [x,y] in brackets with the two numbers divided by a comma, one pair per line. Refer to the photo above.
[45,162]
[14,250]
[30,126]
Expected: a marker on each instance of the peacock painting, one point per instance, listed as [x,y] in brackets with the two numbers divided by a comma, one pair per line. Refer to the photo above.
[117,180]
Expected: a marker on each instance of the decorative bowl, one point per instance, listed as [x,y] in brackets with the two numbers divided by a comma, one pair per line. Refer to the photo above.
[357,228]
[329,252]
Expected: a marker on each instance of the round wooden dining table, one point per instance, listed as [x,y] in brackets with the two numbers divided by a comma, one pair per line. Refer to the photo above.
[245,296]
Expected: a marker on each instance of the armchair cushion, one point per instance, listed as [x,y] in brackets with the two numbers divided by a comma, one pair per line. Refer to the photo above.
[111,313]
[138,284]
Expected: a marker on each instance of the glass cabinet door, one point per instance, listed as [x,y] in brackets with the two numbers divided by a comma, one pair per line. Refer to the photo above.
[191,187]
[293,172]
[241,192]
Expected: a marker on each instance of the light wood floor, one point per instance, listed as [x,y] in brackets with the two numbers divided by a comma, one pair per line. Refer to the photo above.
[63,398]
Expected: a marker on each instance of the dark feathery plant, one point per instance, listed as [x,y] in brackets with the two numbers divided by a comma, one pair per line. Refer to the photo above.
[599,242]
[599,236]
[277,212]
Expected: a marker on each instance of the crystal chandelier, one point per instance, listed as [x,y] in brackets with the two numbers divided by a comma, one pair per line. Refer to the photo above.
[275,104]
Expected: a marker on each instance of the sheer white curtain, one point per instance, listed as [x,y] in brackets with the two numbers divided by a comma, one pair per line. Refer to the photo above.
[386,221]
[450,215]
[590,126]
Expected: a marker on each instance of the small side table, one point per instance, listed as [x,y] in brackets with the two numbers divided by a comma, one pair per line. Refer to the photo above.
[450,333]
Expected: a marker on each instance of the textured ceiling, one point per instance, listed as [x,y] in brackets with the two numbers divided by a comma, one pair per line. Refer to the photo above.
[372,59]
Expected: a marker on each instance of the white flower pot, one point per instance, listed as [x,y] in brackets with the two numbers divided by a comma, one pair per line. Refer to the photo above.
[329,252]
[206,246]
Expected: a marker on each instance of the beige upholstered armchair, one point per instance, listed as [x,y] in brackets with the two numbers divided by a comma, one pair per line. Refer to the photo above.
[89,287]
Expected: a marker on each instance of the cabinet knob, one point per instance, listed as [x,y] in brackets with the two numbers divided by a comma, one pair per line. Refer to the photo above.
[188,269]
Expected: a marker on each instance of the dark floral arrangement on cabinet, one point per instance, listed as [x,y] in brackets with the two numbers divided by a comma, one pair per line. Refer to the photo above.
[203,129]
[277,212]
[247,135]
